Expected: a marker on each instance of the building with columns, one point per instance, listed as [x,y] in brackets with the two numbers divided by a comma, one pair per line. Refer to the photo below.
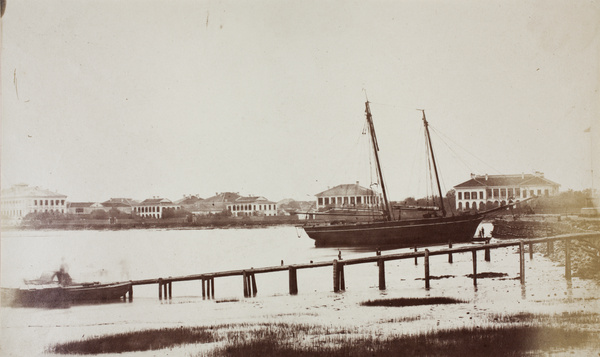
[252,206]
[347,196]
[154,207]
[22,199]
[486,191]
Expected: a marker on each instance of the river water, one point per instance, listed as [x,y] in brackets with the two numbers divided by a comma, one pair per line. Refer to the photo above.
[108,256]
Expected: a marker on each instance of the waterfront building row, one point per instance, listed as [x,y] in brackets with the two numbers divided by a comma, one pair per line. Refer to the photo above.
[483,191]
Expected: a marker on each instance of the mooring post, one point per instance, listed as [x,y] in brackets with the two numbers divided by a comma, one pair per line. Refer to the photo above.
[293,281]
[160,283]
[203,288]
[341,275]
[212,287]
[254,287]
[450,254]
[245,278]
[487,251]
[336,280]
[416,262]
[170,289]
[530,251]
[568,259]
[474,251]
[426,263]
[165,290]
[131,292]
[522,261]
[381,264]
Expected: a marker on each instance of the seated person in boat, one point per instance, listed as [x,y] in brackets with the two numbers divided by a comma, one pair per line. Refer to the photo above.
[63,277]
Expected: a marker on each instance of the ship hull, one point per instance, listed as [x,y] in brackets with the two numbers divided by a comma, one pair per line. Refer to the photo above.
[56,295]
[398,234]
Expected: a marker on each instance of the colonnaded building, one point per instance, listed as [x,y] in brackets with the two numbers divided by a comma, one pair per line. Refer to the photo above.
[22,199]
[485,191]
[347,196]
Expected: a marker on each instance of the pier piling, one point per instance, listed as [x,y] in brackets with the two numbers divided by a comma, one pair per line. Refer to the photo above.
[450,254]
[254,287]
[160,288]
[474,267]
[487,251]
[416,262]
[568,259]
[530,251]
[245,279]
[381,264]
[522,262]
[293,281]
[336,280]
[426,263]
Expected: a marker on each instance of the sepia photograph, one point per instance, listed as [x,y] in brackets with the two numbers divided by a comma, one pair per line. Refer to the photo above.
[300,178]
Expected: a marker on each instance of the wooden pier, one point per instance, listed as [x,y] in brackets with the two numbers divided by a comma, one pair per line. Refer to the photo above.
[165,285]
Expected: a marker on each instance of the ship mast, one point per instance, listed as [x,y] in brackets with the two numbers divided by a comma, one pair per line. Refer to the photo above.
[437,179]
[388,211]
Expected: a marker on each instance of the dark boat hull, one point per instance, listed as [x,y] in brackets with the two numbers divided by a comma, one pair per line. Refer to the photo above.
[398,234]
[56,295]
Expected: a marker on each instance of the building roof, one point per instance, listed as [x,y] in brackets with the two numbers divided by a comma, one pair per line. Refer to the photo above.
[222,197]
[188,200]
[347,190]
[120,202]
[478,181]
[84,204]
[24,190]
[155,201]
[253,199]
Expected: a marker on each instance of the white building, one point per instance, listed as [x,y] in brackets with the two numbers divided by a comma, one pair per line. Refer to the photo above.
[252,206]
[154,207]
[21,200]
[347,196]
[485,191]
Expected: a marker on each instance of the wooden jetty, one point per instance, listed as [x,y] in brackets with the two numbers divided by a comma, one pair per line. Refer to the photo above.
[165,285]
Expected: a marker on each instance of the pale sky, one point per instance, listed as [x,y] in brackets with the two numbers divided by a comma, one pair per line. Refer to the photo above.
[114,98]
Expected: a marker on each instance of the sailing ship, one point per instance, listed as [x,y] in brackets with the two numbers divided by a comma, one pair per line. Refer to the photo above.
[388,231]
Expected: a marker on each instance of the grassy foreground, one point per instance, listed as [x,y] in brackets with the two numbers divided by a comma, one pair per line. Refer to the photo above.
[510,336]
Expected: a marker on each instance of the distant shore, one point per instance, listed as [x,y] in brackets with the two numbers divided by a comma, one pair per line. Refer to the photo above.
[171,223]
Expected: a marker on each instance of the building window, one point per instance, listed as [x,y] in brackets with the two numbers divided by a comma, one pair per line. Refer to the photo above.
[358,200]
[460,195]
[496,193]
[467,196]
[546,193]
[481,195]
